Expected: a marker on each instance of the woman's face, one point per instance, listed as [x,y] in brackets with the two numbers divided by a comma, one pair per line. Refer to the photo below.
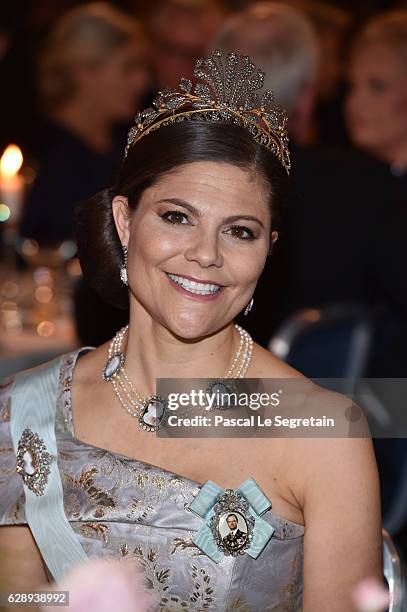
[117,85]
[197,243]
[376,106]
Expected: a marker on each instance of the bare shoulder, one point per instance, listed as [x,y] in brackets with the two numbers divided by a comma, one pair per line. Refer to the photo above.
[326,436]
[86,388]
[90,364]
[267,365]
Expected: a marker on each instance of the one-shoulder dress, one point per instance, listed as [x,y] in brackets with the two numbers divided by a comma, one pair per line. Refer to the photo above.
[119,507]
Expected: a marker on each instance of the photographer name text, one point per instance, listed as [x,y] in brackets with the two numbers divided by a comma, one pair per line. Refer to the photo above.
[254,420]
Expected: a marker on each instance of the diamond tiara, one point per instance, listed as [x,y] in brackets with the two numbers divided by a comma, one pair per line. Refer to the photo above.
[227,92]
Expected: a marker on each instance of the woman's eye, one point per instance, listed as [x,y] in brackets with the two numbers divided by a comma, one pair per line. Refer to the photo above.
[378,85]
[175,217]
[244,233]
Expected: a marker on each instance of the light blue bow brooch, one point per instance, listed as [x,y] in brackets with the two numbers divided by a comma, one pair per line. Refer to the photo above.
[232,520]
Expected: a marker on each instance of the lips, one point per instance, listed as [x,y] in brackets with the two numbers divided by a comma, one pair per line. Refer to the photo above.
[195,286]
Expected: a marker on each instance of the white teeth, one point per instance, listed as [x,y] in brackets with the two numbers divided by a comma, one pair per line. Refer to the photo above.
[193,286]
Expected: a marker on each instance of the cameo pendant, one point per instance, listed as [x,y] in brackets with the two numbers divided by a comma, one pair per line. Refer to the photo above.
[152,413]
[113,365]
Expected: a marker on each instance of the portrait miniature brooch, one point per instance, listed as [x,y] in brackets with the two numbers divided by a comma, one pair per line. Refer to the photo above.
[33,461]
[232,520]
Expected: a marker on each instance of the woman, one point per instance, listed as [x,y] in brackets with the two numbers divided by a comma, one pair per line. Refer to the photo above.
[92,77]
[376,107]
[184,235]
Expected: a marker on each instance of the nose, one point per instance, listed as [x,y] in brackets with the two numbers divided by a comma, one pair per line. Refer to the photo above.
[355,99]
[205,250]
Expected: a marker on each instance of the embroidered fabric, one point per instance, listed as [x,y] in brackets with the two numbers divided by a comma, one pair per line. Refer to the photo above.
[125,508]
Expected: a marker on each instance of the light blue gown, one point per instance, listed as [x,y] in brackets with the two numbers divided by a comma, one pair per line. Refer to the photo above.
[120,507]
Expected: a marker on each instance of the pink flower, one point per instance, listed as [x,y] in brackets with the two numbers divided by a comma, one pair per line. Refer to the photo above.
[103,585]
[370,595]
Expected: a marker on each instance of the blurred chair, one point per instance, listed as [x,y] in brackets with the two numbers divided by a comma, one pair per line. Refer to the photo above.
[333,344]
[330,342]
[392,570]
[396,516]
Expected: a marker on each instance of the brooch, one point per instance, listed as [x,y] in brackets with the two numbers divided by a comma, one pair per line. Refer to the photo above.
[232,520]
[33,461]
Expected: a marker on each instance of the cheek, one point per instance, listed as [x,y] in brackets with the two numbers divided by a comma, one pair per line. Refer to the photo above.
[392,115]
[248,267]
[398,105]
[147,252]
[388,105]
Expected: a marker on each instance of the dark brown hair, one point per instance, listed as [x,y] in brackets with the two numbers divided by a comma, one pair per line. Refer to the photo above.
[148,160]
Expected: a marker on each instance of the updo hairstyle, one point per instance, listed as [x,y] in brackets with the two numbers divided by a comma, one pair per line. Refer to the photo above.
[148,160]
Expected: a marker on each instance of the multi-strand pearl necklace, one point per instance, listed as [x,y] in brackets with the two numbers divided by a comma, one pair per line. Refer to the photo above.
[150,411]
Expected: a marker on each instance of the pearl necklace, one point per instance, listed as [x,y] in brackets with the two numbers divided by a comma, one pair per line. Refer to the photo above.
[150,411]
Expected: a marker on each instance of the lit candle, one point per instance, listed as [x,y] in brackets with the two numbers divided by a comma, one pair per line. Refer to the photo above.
[11,184]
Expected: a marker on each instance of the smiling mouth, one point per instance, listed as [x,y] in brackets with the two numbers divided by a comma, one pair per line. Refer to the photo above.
[194,286]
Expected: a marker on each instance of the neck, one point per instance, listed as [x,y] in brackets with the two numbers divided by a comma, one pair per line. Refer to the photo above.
[154,352]
[85,121]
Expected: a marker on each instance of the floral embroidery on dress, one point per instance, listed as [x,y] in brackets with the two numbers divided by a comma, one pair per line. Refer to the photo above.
[138,510]
[202,589]
[16,514]
[239,604]
[5,399]
[95,530]
[82,489]
[185,545]
[288,592]
[5,409]
[155,577]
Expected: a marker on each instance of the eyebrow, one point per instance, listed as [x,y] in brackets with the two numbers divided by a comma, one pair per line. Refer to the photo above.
[197,213]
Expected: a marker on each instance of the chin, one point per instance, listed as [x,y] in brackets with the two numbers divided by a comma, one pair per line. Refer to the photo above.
[364,138]
[191,330]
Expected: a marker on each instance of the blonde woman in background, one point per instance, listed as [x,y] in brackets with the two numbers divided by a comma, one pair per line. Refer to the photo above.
[91,77]
[376,107]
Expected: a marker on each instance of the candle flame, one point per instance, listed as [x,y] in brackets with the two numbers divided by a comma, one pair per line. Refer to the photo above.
[11,161]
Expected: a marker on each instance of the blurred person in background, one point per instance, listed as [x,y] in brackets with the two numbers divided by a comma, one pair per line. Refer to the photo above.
[331,25]
[92,74]
[376,111]
[23,24]
[180,31]
[339,199]
[330,189]
[376,105]
[284,42]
